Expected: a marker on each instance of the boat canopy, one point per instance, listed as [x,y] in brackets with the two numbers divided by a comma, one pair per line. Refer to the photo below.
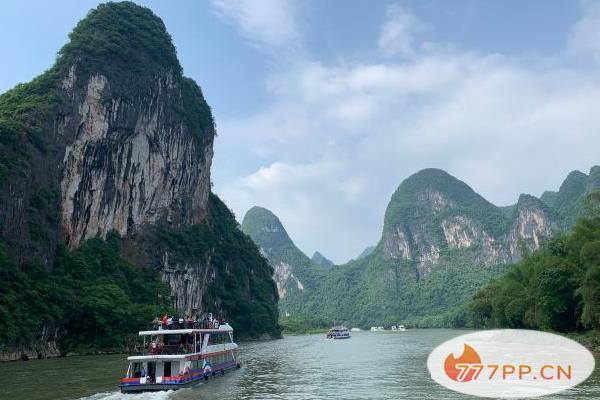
[222,328]
[159,357]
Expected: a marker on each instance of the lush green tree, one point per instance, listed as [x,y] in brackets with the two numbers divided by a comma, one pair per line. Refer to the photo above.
[590,293]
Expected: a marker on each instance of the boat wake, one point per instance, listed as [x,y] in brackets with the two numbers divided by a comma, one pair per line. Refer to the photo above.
[137,396]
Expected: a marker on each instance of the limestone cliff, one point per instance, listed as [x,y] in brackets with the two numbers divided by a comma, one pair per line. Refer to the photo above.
[114,139]
[129,160]
[432,215]
[533,222]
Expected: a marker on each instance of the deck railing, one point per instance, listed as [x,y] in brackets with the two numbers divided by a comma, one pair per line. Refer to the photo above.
[163,350]
[202,324]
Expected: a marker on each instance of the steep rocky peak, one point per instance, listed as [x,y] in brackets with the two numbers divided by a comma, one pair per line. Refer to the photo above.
[527,201]
[136,135]
[366,252]
[117,39]
[265,228]
[574,183]
[593,181]
[432,192]
[321,260]
[571,189]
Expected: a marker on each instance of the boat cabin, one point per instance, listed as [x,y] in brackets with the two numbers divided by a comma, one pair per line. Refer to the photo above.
[179,356]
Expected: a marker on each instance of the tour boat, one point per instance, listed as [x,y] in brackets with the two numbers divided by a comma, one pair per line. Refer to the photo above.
[377,329]
[338,332]
[180,355]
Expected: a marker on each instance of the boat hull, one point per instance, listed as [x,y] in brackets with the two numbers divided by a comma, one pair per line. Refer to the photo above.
[197,379]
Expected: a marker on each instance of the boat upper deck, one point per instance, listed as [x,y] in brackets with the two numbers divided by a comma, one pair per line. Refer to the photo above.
[187,331]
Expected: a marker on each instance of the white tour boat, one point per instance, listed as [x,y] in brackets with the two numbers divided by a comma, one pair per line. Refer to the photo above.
[338,332]
[178,355]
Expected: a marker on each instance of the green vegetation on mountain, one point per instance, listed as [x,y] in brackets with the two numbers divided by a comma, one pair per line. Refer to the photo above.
[120,35]
[98,301]
[242,288]
[379,292]
[415,198]
[368,250]
[556,288]
[321,260]
[566,201]
[297,275]
[93,296]
[441,244]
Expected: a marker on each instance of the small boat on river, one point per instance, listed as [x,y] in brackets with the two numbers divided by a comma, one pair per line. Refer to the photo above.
[178,355]
[338,332]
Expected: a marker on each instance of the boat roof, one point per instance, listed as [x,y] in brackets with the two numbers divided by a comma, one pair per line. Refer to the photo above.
[159,357]
[222,328]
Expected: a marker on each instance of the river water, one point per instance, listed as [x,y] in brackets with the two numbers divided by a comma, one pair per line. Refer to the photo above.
[382,365]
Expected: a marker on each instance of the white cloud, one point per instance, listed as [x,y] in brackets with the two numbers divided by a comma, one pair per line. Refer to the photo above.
[399,31]
[584,38]
[338,139]
[267,24]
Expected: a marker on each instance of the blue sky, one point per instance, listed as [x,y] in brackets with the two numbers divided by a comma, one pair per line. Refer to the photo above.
[324,107]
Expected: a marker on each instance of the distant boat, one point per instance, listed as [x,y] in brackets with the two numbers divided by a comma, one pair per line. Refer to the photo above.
[377,329]
[401,328]
[394,328]
[338,332]
[355,330]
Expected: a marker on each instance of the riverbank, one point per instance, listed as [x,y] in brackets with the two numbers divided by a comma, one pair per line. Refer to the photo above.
[589,339]
[54,351]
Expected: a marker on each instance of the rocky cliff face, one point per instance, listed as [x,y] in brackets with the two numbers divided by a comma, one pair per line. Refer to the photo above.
[116,135]
[533,222]
[128,161]
[433,216]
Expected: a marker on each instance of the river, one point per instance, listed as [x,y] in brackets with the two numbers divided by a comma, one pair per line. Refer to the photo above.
[382,365]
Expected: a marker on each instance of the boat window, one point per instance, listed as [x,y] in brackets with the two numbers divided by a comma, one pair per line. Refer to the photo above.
[217,338]
[172,339]
[136,370]
[167,369]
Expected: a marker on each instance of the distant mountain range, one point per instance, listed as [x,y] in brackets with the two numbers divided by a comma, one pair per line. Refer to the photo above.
[441,241]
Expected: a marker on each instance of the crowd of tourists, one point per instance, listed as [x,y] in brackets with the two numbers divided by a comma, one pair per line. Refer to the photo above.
[197,321]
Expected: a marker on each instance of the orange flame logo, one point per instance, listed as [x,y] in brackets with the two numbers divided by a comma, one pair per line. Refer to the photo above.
[451,365]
